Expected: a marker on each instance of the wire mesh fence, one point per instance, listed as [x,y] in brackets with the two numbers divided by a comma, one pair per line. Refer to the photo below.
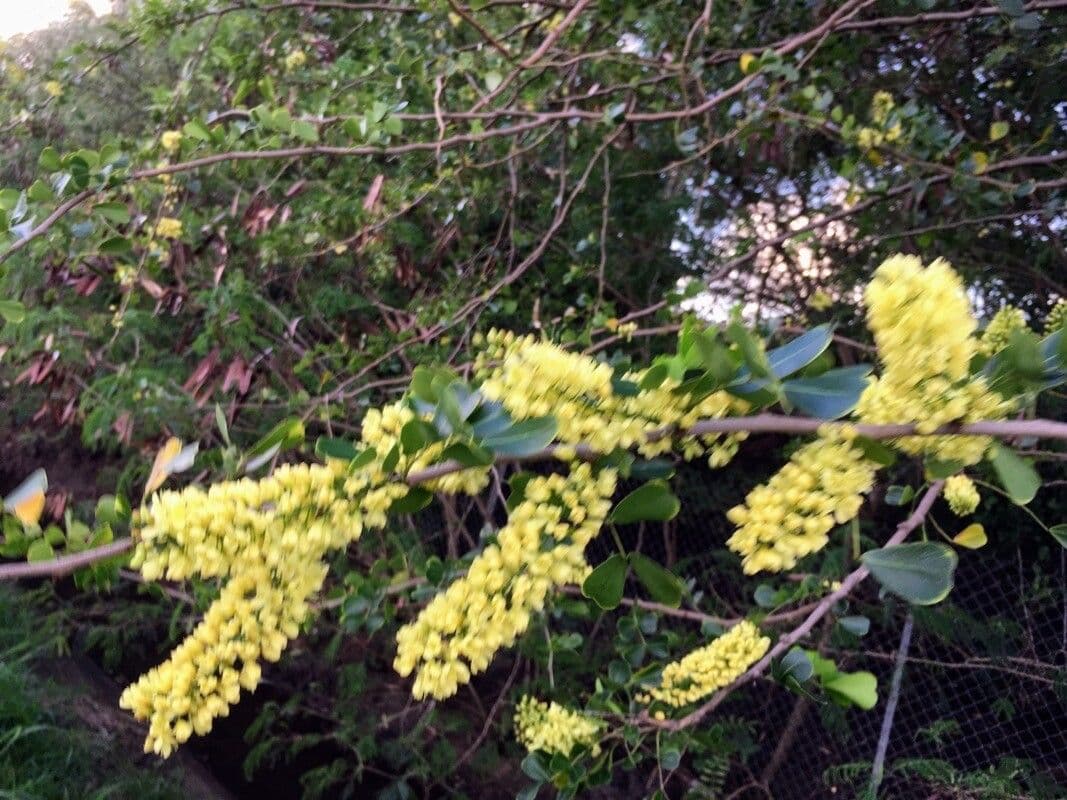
[982,706]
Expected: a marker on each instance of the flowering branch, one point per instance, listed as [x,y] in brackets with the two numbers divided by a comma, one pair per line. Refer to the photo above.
[759,423]
[803,629]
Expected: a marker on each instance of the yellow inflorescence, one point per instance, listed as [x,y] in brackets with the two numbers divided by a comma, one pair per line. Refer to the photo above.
[552,728]
[791,515]
[711,667]
[542,546]
[269,538]
[171,141]
[295,59]
[1057,317]
[923,327]
[532,378]
[169,228]
[962,495]
[1000,329]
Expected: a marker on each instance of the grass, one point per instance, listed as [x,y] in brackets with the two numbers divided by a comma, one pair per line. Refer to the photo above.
[46,751]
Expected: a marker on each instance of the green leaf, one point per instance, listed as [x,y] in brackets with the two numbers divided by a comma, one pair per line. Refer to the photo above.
[857,625]
[422,385]
[287,433]
[1017,474]
[469,455]
[49,160]
[220,421]
[115,245]
[663,585]
[875,451]
[605,583]
[669,759]
[196,130]
[756,360]
[652,501]
[12,311]
[335,448]
[523,438]
[936,469]
[997,131]
[415,435]
[830,395]
[1059,533]
[854,688]
[797,353]
[416,499]
[534,768]
[653,468]
[654,376]
[517,485]
[765,596]
[434,569]
[305,131]
[364,459]
[899,495]
[795,664]
[392,458]
[40,550]
[919,572]
[113,212]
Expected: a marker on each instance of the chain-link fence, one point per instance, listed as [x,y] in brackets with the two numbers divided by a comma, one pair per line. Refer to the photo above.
[981,710]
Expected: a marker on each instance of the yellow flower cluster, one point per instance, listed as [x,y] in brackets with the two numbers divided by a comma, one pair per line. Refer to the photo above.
[711,667]
[532,378]
[1057,317]
[882,105]
[295,59]
[169,228]
[999,331]
[552,728]
[541,546]
[962,495]
[171,141]
[792,514]
[53,88]
[923,327]
[268,538]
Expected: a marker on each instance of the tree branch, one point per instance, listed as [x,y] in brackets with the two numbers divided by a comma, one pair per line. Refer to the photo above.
[760,423]
[821,610]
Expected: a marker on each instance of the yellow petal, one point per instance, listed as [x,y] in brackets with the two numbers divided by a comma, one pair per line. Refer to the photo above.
[29,510]
[160,466]
[745,62]
[27,501]
[972,537]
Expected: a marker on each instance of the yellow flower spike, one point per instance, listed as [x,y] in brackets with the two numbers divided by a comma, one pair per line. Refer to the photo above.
[552,728]
[923,327]
[962,495]
[171,141]
[26,502]
[711,667]
[1057,317]
[168,228]
[792,515]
